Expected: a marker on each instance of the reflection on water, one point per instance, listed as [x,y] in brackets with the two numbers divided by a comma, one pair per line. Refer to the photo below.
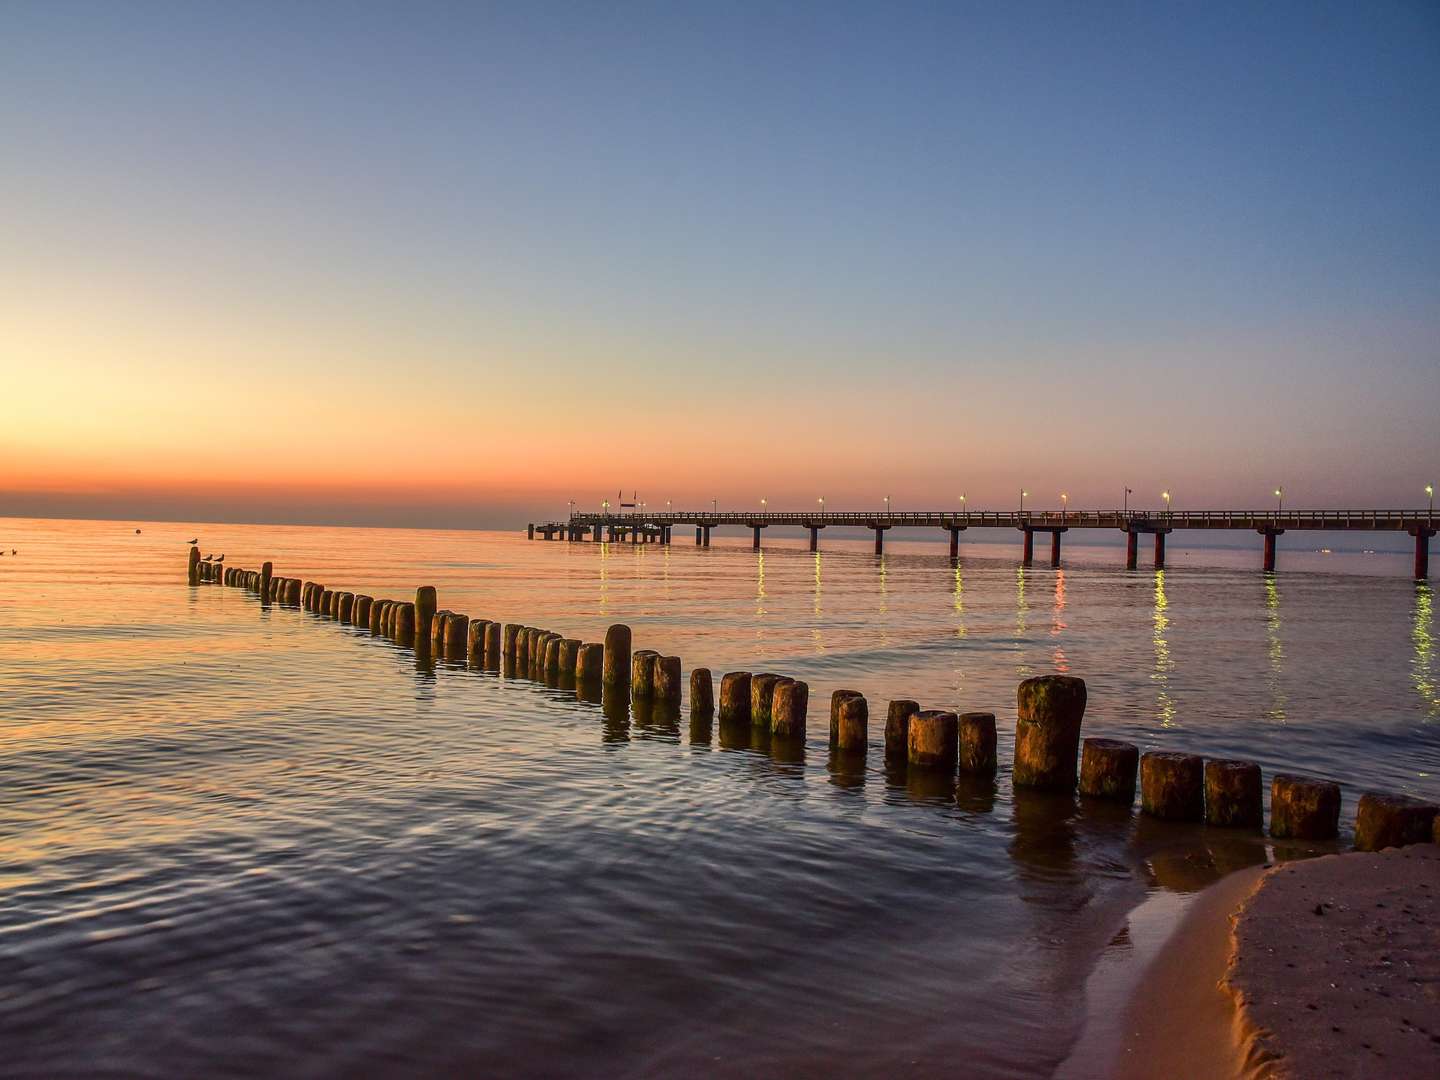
[760,584]
[1022,622]
[817,634]
[1275,650]
[1424,638]
[1164,703]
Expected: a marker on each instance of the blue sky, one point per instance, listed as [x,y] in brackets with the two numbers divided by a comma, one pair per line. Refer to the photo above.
[1199,244]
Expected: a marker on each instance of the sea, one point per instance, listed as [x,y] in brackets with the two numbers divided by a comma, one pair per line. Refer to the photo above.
[240,839]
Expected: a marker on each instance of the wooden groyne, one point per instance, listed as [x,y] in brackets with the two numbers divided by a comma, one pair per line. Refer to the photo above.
[1050,753]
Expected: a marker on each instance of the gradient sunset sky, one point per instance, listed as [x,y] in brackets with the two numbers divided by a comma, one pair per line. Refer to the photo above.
[456,264]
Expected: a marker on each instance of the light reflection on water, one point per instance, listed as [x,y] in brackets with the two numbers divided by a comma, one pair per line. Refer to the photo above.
[237,839]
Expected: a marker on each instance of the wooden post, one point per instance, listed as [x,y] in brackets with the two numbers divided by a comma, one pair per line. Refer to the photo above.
[1303,808]
[836,700]
[788,709]
[668,687]
[702,694]
[1047,732]
[642,674]
[1159,551]
[494,645]
[405,624]
[735,697]
[762,694]
[897,728]
[1108,768]
[1233,796]
[617,661]
[345,606]
[1172,785]
[424,613]
[852,732]
[933,735]
[192,572]
[976,738]
[267,571]
[1028,552]
[589,667]
[457,629]
[475,643]
[1383,821]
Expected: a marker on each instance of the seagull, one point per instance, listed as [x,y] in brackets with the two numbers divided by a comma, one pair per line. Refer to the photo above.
[207,558]
[219,558]
[196,541]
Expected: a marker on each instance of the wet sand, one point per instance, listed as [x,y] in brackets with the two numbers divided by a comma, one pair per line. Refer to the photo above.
[1180,1020]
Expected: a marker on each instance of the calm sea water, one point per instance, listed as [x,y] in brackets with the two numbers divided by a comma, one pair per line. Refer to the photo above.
[238,839]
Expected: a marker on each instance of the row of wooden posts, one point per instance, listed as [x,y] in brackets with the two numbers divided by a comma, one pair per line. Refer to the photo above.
[1049,752]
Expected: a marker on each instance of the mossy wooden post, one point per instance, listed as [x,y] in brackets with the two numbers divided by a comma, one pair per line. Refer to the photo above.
[457,629]
[1303,808]
[735,697]
[852,730]
[292,592]
[424,613]
[551,670]
[326,601]
[405,624]
[616,678]
[1383,821]
[933,739]
[1108,768]
[437,631]
[475,643]
[976,739]
[383,622]
[1047,732]
[702,694]
[835,699]
[347,607]
[669,687]
[1233,795]
[897,728]
[267,571]
[788,709]
[192,572]
[1172,785]
[522,652]
[762,696]
[642,674]
[494,645]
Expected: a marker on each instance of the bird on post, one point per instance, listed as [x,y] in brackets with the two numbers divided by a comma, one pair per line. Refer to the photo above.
[195,541]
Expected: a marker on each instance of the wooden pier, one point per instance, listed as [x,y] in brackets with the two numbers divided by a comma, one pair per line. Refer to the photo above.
[649,527]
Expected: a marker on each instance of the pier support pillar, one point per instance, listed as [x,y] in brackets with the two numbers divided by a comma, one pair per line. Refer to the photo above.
[1055,549]
[707,536]
[815,539]
[698,531]
[1422,536]
[1159,551]
[1028,554]
[756,530]
[879,538]
[1270,535]
[1132,549]
[954,542]
[530,531]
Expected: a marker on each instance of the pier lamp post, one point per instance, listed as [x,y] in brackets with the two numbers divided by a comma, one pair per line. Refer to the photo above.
[822,504]
[1128,493]
[962,502]
[572,507]
[714,506]
[1430,494]
[605,505]
[1166,496]
[887,506]
[1023,493]
[1279,501]
[764,502]
[1064,505]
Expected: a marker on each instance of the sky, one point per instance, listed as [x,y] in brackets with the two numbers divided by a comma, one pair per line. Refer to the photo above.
[456,265]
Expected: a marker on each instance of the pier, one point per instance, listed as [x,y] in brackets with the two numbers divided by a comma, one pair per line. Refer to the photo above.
[647,527]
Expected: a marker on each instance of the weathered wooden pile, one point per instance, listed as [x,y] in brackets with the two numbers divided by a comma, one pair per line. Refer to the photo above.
[1049,752]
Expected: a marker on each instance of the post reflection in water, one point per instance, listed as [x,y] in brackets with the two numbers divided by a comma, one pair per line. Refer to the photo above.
[846,768]
[1022,622]
[1424,638]
[884,621]
[616,712]
[1275,650]
[959,630]
[603,574]
[1164,703]
[760,584]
